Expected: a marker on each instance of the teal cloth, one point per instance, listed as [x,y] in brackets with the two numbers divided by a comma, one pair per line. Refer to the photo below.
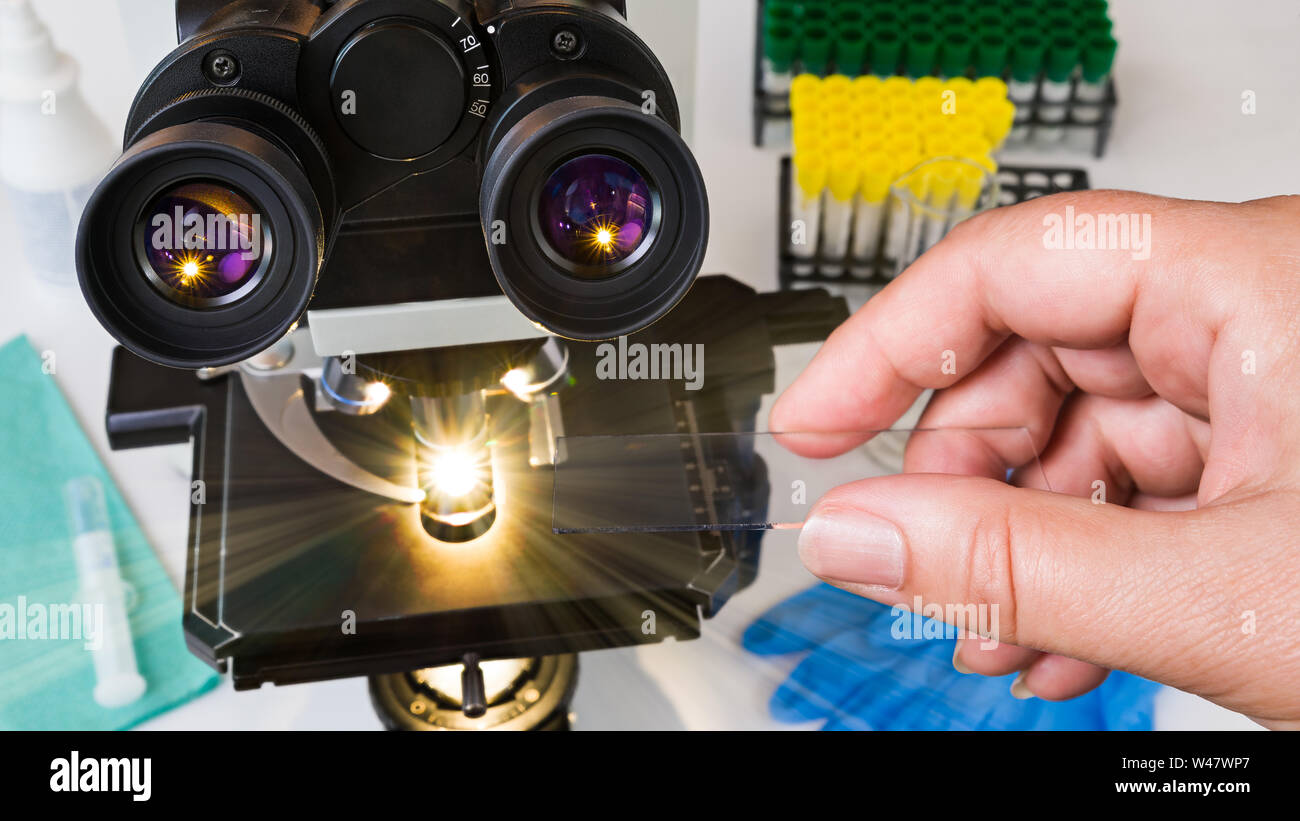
[46,684]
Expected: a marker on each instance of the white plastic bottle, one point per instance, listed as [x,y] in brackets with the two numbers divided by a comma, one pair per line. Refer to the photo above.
[53,149]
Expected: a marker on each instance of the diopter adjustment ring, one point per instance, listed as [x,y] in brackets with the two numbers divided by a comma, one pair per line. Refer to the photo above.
[261,113]
[221,94]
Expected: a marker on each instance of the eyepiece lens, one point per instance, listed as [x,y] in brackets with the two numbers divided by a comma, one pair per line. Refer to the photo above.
[595,211]
[204,244]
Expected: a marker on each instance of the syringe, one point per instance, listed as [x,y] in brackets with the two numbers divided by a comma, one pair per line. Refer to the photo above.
[118,679]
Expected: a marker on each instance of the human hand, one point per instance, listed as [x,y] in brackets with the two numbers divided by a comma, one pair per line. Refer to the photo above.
[1173,380]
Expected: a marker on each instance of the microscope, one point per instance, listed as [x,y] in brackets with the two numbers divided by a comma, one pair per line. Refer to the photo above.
[367,255]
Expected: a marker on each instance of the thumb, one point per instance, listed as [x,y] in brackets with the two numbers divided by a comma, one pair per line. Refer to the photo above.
[1037,569]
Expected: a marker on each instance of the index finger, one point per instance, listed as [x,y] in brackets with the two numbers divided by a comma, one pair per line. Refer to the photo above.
[1005,272]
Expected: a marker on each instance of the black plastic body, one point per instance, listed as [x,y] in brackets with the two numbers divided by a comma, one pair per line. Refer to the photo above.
[280,551]
[412,224]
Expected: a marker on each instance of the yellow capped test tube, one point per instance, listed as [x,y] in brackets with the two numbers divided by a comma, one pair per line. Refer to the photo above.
[896,86]
[871,146]
[940,144]
[808,139]
[876,174]
[809,179]
[928,93]
[866,87]
[973,146]
[999,115]
[906,130]
[962,86]
[903,108]
[990,88]
[841,126]
[804,89]
[837,218]
[854,138]
[870,112]
[837,87]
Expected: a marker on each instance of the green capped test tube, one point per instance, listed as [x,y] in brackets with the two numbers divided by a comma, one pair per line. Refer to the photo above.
[886,50]
[850,49]
[991,52]
[815,55]
[781,45]
[1090,94]
[1027,53]
[956,51]
[921,51]
[849,13]
[1062,58]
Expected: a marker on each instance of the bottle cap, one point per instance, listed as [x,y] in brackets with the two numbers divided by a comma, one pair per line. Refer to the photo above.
[851,49]
[866,87]
[990,88]
[836,86]
[877,174]
[1098,57]
[922,51]
[956,52]
[1062,57]
[845,13]
[30,65]
[843,175]
[810,173]
[990,53]
[815,53]
[804,91]
[780,45]
[780,11]
[886,50]
[1027,52]
[807,139]
[999,116]
[926,91]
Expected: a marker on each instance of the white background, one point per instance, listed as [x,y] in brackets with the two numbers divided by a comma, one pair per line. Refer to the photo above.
[1182,68]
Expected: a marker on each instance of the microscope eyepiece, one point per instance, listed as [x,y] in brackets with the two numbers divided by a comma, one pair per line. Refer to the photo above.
[361,155]
[605,212]
[202,245]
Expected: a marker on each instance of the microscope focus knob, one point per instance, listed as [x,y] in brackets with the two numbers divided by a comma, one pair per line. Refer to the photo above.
[399,90]
[473,691]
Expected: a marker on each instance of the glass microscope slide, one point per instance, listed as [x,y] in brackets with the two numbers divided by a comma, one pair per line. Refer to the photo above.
[757,481]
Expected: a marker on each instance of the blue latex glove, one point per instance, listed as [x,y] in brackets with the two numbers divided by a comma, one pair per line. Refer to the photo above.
[858,676]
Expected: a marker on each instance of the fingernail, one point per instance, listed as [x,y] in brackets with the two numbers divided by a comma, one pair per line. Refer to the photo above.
[957,662]
[1018,687]
[845,545]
